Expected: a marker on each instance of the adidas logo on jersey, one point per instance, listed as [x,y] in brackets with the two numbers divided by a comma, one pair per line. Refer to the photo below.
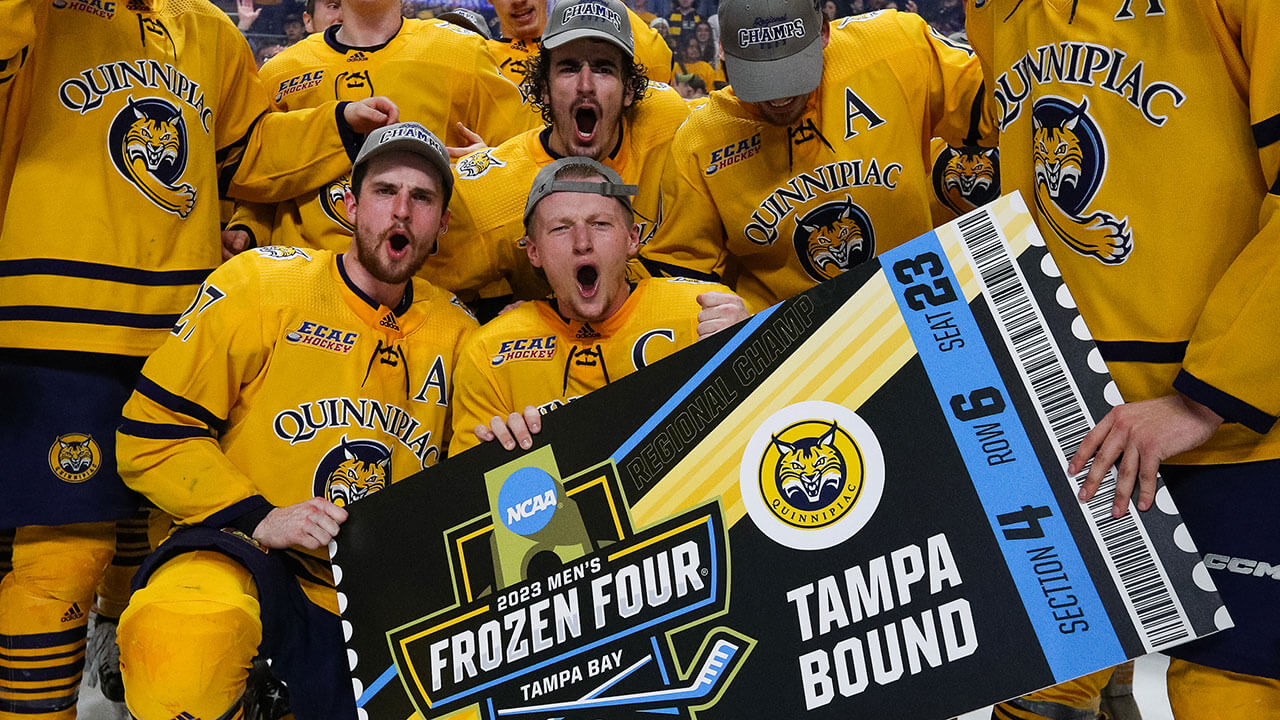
[184,715]
[389,321]
[357,56]
[73,613]
[586,331]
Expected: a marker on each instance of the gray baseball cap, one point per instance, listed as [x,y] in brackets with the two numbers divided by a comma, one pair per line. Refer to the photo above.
[469,19]
[545,183]
[408,137]
[606,20]
[772,48]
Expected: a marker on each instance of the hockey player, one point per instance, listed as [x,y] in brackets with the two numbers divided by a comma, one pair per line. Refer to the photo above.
[813,160]
[121,124]
[1145,136]
[298,382]
[437,73]
[524,22]
[596,329]
[597,104]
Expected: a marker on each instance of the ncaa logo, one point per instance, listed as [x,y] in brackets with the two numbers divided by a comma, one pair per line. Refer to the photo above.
[527,500]
[812,475]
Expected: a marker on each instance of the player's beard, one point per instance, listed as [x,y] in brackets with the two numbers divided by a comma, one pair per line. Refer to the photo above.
[384,268]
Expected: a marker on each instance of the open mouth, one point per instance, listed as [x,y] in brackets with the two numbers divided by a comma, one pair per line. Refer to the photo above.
[398,242]
[585,120]
[587,278]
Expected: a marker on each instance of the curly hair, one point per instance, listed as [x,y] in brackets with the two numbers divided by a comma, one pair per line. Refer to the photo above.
[537,83]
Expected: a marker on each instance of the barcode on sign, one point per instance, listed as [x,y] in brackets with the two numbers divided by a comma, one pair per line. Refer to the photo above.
[1158,615]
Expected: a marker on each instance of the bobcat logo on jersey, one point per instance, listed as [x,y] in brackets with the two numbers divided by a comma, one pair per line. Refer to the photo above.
[353,86]
[966,178]
[148,145]
[834,237]
[75,457]
[282,252]
[477,164]
[333,200]
[352,470]
[1070,157]
[812,475]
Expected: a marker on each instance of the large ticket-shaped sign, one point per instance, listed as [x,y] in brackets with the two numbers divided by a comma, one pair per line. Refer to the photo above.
[855,504]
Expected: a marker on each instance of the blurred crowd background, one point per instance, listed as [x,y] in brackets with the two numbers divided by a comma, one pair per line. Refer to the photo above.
[272,26]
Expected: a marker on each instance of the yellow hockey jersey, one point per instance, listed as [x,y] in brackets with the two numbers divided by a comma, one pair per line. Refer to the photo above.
[1145,137]
[484,245]
[121,124]
[651,51]
[437,73]
[283,381]
[784,208]
[533,356]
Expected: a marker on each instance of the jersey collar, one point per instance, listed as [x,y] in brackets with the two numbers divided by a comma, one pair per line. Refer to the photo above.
[544,139]
[331,39]
[589,331]
[374,313]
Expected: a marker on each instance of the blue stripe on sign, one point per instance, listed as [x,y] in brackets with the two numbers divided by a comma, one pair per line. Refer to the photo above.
[680,395]
[921,268]
[387,676]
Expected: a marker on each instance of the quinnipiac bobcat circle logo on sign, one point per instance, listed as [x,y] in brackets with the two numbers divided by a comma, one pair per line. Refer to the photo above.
[812,475]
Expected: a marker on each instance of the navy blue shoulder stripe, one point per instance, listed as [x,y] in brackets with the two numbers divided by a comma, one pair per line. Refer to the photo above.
[1140,351]
[1230,407]
[351,140]
[229,158]
[177,403]
[46,313]
[101,271]
[661,269]
[975,115]
[1267,131]
[160,431]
